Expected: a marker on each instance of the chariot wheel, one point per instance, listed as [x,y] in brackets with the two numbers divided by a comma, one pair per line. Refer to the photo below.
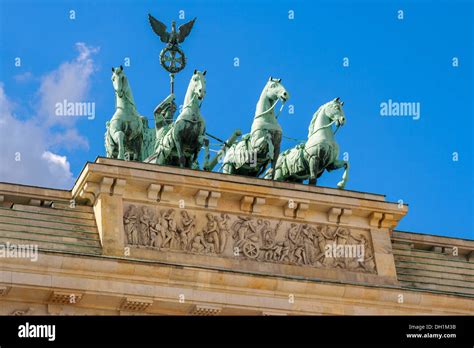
[250,250]
[172,59]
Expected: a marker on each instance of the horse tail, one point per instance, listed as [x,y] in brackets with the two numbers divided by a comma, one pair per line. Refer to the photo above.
[108,141]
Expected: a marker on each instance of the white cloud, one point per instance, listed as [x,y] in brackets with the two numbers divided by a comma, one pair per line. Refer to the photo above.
[29,148]
[22,145]
[57,163]
[70,81]
[69,139]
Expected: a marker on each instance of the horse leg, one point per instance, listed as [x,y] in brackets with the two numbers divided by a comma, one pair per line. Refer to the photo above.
[160,159]
[207,155]
[137,138]
[313,170]
[182,158]
[119,138]
[177,143]
[278,175]
[345,176]
[276,138]
[227,168]
[337,164]
[109,145]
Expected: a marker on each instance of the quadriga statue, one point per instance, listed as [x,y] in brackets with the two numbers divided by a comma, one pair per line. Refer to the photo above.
[319,153]
[124,135]
[255,150]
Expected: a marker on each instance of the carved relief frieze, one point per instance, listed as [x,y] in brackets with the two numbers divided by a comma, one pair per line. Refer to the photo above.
[248,237]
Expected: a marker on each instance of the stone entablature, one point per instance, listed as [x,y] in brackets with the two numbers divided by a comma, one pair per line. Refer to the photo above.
[239,223]
[166,280]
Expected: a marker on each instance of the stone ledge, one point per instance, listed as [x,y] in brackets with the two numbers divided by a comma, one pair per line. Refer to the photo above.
[188,182]
[234,178]
[440,244]
[222,289]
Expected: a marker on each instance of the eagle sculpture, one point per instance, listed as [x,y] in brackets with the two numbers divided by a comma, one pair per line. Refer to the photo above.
[173,38]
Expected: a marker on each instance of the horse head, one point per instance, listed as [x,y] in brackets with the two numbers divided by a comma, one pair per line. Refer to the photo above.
[119,81]
[334,111]
[197,85]
[327,115]
[274,90]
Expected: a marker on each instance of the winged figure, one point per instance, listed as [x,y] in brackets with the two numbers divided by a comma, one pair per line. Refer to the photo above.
[174,37]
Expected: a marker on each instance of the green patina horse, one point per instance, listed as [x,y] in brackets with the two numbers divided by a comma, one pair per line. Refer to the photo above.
[319,153]
[180,142]
[124,135]
[255,150]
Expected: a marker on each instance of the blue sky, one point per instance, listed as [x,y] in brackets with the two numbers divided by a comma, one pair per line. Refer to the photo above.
[408,60]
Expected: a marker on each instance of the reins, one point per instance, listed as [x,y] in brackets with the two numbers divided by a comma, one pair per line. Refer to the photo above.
[270,109]
[317,130]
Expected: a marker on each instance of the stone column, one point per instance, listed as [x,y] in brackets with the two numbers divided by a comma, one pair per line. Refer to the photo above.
[383,254]
[108,209]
